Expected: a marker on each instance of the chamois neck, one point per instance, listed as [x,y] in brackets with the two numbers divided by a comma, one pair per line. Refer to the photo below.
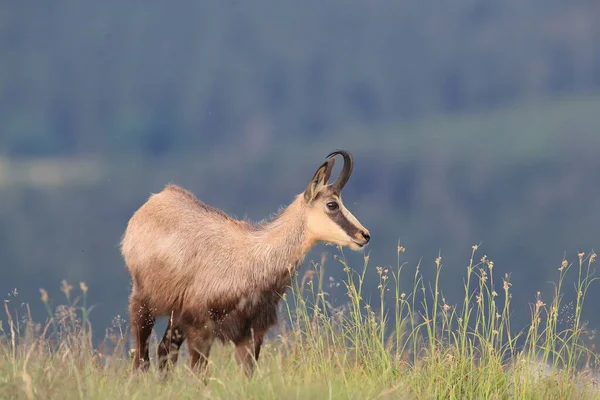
[285,234]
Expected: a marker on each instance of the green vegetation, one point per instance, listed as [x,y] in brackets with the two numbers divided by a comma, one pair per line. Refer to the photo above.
[419,346]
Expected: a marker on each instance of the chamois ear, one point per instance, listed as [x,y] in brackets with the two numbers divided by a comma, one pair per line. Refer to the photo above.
[319,180]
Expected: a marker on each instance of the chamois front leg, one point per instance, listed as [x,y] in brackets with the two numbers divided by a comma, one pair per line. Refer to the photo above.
[248,350]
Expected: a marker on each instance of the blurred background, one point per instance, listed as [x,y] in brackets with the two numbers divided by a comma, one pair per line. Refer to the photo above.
[471,122]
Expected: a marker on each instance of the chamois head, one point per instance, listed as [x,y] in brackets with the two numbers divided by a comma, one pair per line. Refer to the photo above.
[327,218]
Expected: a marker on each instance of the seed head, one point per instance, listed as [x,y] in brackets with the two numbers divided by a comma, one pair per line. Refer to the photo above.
[44,295]
[66,288]
[540,303]
[563,265]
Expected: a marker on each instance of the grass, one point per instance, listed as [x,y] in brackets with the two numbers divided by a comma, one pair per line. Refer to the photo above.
[406,344]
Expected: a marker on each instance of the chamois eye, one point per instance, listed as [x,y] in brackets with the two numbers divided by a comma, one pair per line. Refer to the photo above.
[332,206]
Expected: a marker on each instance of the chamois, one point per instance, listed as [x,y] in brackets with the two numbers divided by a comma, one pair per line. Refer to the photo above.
[217,277]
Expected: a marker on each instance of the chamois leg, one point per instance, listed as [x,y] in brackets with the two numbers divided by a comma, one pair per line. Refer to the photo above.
[141,321]
[200,340]
[247,352]
[168,349]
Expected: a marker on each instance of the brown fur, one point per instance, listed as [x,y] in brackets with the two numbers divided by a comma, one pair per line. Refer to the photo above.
[218,277]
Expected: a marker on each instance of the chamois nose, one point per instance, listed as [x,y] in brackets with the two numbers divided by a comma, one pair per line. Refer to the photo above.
[366,236]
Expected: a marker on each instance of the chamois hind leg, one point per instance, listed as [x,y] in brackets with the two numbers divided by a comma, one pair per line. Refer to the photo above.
[248,350]
[141,322]
[168,349]
[200,339]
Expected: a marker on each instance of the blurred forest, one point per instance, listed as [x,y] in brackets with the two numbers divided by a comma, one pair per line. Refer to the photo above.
[471,121]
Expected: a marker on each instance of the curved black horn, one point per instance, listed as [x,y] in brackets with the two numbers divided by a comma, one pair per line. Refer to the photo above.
[346,169]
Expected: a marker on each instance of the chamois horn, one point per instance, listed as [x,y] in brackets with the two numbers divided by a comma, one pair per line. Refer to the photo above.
[338,185]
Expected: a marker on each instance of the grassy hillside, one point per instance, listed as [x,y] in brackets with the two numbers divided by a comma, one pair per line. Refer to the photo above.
[421,347]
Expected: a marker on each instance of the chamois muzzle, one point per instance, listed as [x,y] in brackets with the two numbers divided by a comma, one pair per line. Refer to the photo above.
[338,185]
[366,236]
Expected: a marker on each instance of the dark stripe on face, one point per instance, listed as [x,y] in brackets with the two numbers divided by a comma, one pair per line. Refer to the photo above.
[348,227]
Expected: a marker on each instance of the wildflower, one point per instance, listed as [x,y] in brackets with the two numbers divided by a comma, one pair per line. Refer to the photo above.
[402,296]
[401,249]
[490,264]
[475,247]
[540,304]
[592,257]
[44,295]
[83,287]
[483,276]
[563,265]
[445,307]
[494,294]
[438,261]
[379,270]
[66,288]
